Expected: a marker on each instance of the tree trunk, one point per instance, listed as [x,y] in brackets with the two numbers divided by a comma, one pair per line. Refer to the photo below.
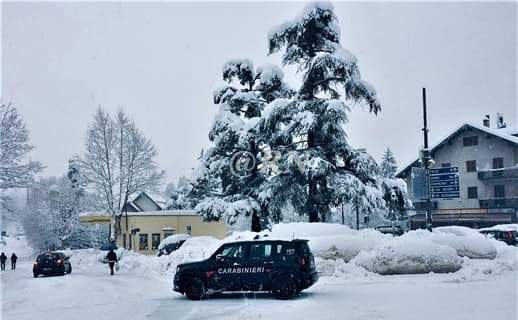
[256,222]
[116,227]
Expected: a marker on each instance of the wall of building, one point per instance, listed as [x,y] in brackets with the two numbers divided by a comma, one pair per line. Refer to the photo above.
[166,224]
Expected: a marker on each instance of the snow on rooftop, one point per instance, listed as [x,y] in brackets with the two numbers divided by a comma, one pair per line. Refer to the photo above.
[501,133]
[93,213]
[163,213]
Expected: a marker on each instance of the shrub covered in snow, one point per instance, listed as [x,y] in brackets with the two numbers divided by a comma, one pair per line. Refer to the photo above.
[407,255]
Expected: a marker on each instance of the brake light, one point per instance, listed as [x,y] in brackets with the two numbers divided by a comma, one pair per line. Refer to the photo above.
[302,261]
[35,263]
[510,235]
[60,261]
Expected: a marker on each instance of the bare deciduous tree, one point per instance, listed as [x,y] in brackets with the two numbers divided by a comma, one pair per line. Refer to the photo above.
[15,171]
[118,162]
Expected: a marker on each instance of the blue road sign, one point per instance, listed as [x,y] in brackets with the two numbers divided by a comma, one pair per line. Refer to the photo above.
[419,187]
[444,170]
[444,183]
[444,189]
[447,176]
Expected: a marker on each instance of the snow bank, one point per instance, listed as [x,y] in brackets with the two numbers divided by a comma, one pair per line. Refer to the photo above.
[17,245]
[331,241]
[474,246]
[408,256]
[345,253]
[502,227]
[306,229]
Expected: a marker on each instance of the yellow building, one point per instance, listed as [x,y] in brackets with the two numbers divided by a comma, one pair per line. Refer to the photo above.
[142,231]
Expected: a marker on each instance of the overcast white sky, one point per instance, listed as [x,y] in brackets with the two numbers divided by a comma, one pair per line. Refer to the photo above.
[161,62]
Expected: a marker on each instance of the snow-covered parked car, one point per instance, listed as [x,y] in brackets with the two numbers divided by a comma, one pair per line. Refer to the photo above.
[171,243]
[507,233]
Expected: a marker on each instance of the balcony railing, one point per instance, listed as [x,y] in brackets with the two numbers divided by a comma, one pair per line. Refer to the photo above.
[499,203]
[504,173]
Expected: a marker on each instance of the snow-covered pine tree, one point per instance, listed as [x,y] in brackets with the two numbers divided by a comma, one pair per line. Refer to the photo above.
[177,194]
[234,132]
[388,164]
[319,168]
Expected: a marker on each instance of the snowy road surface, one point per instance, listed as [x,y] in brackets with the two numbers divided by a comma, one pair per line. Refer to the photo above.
[93,294]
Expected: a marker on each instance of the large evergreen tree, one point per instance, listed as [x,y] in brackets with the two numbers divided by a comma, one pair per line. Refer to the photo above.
[319,168]
[295,141]
[223,190]
[388,164]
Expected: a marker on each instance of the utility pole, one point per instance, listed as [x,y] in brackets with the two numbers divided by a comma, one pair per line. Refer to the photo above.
[357,218]
[426,157]
[343,217]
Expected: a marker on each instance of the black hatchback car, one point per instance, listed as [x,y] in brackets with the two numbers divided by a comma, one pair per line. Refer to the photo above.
[281,267]
[51,263]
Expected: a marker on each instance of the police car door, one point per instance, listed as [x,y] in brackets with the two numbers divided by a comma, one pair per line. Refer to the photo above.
[229,261]
[258,266]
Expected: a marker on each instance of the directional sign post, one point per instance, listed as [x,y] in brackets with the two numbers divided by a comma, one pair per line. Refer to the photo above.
[444,183]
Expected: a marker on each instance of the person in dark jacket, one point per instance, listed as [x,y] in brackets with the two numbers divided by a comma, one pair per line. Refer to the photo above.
[112,259]
[3,258]
[13,261]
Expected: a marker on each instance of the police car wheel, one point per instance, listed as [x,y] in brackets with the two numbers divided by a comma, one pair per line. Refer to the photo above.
[284,288]
[195,290]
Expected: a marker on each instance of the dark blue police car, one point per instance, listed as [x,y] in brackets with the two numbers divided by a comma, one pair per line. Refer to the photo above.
[281,267]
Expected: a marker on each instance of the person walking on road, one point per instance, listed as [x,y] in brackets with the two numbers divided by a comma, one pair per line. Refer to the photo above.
[13,261]
[3,258]
[112,259]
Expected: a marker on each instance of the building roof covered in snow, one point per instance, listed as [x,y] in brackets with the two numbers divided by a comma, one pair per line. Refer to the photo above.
[505,134]
[144,201]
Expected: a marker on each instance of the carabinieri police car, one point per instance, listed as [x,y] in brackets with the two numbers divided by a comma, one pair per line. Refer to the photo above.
[279,266]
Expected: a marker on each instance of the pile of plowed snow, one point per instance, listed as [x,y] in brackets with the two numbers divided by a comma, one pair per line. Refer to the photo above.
[342,252]
[17,245]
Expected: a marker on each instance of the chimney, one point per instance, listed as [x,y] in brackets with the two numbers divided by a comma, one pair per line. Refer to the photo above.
[486,122]
[500,121]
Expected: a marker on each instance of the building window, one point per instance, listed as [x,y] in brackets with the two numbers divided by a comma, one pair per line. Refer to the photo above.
[188,229]
[155,241]
[498,163]
[471,165]
[168,233]
[500,191]
[470,141]
[472,193]
[142,243]
[445,165]
[124,240]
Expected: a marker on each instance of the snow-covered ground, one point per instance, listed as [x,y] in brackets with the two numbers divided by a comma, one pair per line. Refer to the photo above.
[481,289]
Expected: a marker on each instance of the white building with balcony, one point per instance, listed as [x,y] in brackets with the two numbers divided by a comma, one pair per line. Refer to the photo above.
[487,159]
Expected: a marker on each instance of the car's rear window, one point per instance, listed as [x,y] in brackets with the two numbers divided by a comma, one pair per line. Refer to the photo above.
[303,248]
[46,256]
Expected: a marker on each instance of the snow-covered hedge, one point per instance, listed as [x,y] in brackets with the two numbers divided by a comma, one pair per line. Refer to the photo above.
[409,255]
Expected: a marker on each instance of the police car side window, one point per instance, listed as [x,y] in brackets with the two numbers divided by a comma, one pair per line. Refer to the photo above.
[260,250]
[236,251]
